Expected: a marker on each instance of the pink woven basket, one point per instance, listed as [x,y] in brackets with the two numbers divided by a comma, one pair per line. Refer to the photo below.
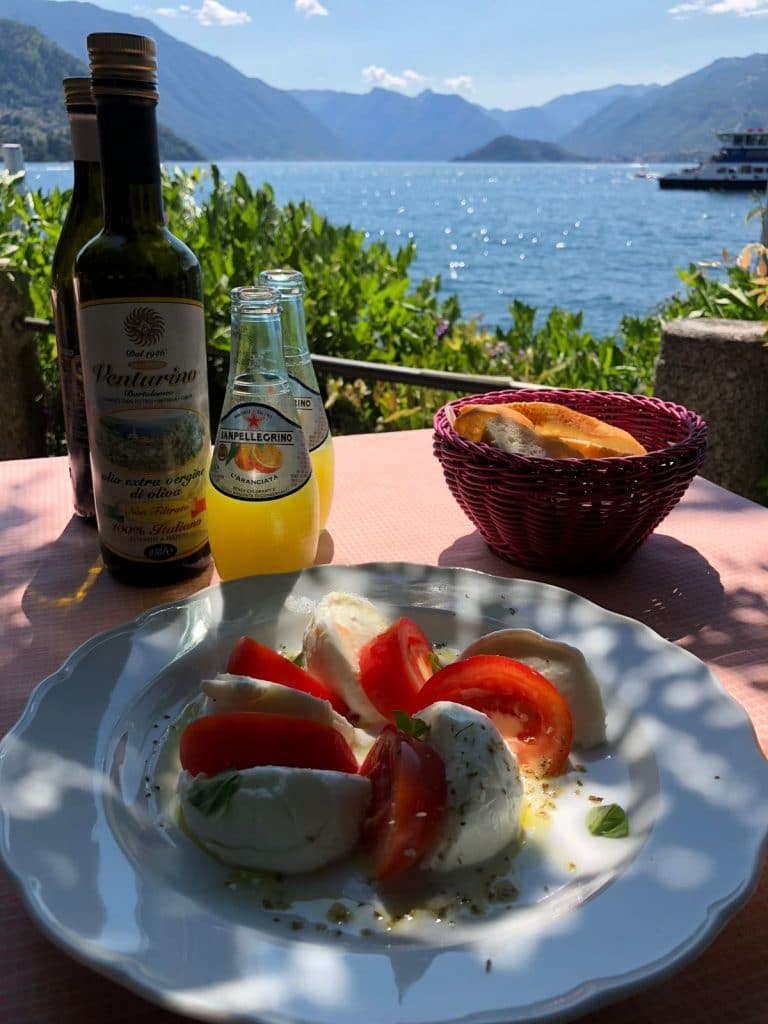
[573,515]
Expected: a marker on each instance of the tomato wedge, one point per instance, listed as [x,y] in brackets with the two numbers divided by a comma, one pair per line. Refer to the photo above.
[250,658]
[245,739]
[394,666]
[525,707]
[407,803]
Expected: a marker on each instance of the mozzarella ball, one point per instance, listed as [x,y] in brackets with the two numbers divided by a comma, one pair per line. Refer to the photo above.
[484,788]
[282,819]
[341,625]
[227,692]
[564,666]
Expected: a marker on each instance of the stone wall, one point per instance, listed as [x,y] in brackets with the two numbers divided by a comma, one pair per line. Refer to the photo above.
[719,369]
[21,384]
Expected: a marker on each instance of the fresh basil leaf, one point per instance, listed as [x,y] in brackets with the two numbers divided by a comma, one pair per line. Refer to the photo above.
[211,796]
[415,727]
[434,661]
[610,821]
[298,659]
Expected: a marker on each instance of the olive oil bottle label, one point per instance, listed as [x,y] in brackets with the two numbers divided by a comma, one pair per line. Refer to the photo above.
[309,405]
[259,454]
[146,391]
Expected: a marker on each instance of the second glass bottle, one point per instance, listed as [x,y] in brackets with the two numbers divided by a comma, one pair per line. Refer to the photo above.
[306,393]
[84,219]
[262,496]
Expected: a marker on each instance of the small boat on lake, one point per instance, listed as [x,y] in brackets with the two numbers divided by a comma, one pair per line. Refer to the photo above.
[643,172]
[741,164]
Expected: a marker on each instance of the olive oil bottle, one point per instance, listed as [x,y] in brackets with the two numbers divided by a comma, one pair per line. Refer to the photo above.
[140,318]
[83,220]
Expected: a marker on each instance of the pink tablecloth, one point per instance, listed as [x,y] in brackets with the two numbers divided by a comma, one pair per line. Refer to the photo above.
[701,581]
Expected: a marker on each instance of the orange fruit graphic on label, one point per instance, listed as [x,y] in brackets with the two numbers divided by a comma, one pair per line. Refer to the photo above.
[266,458]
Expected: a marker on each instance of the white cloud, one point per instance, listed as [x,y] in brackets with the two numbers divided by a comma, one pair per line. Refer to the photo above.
[683,10]
[460,83]
[414,77]
[211,13]
[741,8]
[311,8]
[214,13]
[373,75]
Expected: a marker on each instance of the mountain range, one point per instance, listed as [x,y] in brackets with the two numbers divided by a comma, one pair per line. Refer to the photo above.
[32,111]
[237,117]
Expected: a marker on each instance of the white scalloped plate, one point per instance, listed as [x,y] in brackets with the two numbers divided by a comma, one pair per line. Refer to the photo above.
[111,879]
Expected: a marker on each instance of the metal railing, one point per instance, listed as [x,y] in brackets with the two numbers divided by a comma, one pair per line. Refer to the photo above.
[443,380]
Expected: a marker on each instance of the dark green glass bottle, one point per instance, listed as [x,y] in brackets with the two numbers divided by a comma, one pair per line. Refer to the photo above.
[140,317]
[83,220]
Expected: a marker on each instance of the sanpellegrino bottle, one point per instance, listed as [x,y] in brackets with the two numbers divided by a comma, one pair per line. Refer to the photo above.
[142,335]
[84,219]
[309,402]
[262,494]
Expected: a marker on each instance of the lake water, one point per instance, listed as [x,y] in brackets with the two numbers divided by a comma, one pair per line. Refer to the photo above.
[594,238]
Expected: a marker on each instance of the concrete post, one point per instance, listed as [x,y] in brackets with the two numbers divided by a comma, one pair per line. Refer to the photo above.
[719,368]
[21,384]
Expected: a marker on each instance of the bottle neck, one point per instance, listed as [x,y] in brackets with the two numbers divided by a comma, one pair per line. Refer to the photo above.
[294,328]
[84,133]
[130,164]
[86,191]
[256,360]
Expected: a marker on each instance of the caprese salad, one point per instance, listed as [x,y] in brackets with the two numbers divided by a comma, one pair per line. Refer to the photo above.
[370,739]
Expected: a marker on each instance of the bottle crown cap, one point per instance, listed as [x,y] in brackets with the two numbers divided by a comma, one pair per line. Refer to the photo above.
[284,280]
[78,96]
[123,65]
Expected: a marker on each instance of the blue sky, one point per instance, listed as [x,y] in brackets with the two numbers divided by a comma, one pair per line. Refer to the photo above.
[506,53]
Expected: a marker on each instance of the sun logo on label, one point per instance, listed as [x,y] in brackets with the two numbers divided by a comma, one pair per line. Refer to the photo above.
[144,326]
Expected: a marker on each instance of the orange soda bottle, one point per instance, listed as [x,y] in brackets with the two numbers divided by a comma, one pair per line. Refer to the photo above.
[262,495]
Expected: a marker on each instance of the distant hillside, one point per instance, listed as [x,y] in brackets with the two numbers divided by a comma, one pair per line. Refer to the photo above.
[31,99]
[677,121]
[386,125]
[222,112]
[508,148]
[555,119]
[32,110]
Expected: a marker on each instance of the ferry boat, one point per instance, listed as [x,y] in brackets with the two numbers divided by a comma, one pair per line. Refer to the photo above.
[741,164]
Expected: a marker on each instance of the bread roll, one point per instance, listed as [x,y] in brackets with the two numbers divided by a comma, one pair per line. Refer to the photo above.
[592,437]
[506,432]
[472,419]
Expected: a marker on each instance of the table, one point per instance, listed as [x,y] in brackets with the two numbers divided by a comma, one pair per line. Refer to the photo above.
[701,581]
